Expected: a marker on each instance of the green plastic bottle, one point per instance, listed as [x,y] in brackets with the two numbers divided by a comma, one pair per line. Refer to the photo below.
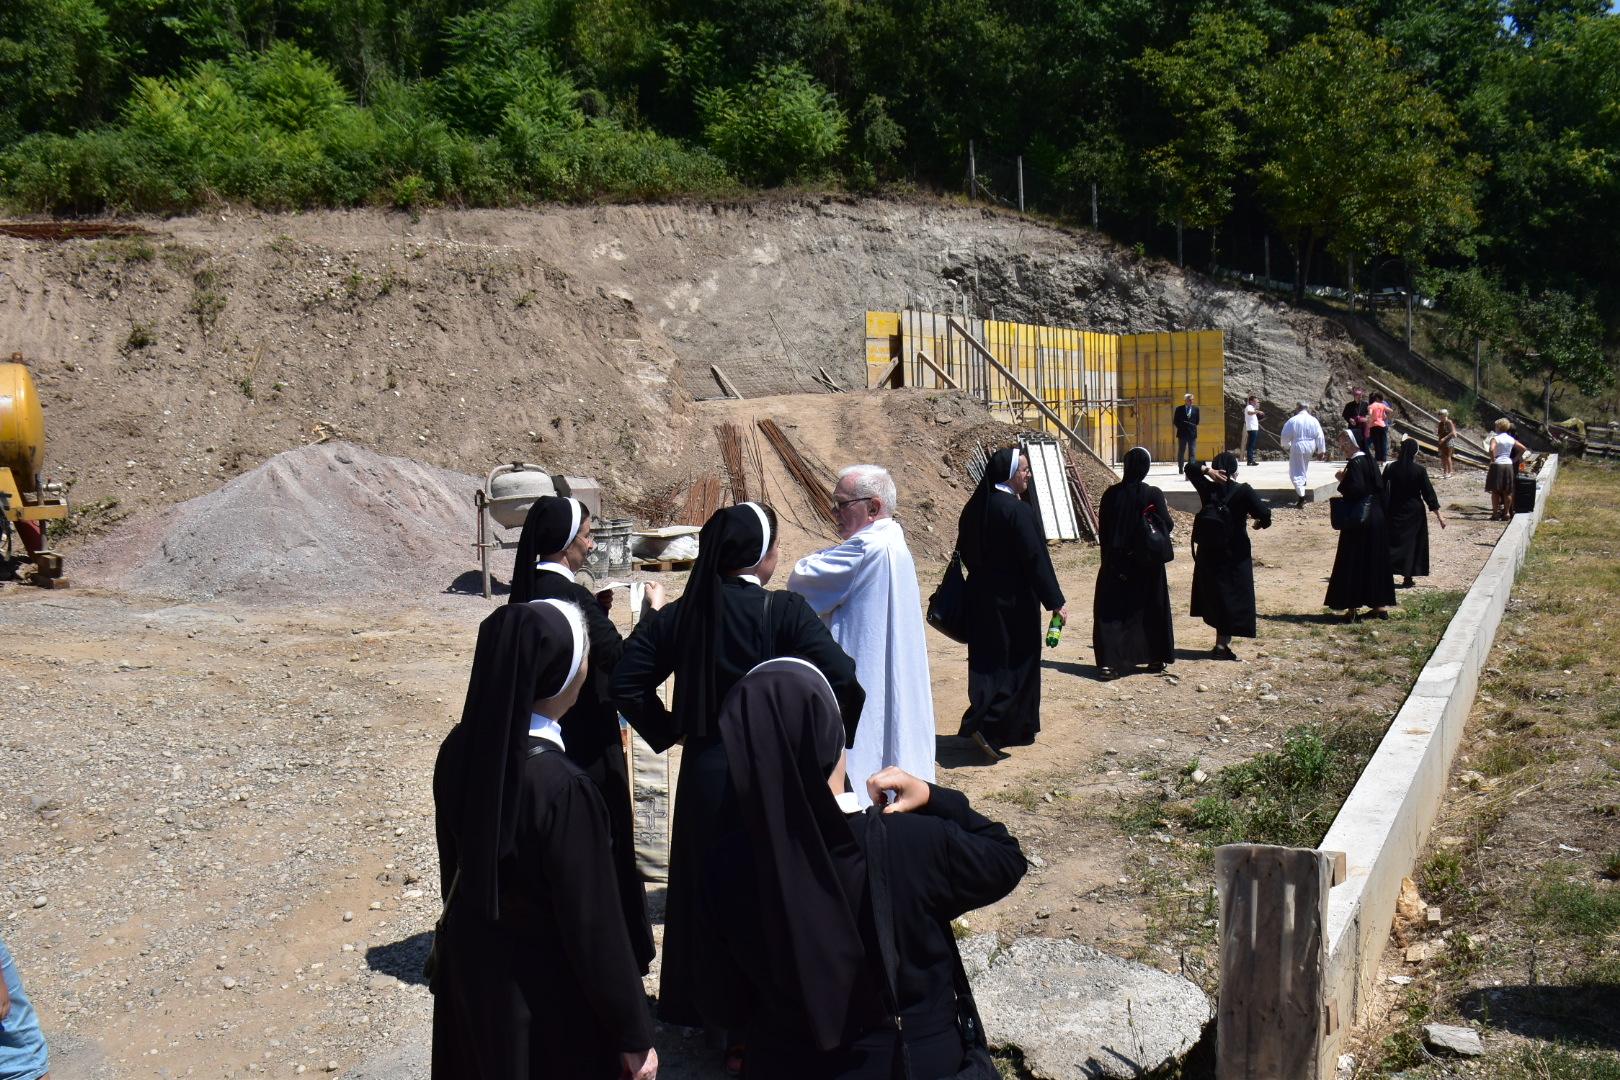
[1054,630]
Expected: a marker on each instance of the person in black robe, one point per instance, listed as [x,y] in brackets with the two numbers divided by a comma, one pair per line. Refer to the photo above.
[1361,567]
[1131,623]
[1223,560]
[535,976]
[788,887]
[724,624]
[555,542]
[1010,577]
[1407,491]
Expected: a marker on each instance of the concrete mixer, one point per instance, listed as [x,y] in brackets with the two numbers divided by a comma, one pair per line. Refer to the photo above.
[27,499]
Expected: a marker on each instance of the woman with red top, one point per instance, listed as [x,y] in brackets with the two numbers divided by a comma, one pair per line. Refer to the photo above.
[1378,428]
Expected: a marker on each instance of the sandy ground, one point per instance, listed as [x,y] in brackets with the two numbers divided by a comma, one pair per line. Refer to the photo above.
[216,837]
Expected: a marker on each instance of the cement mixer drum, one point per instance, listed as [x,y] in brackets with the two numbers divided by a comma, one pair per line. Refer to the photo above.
[22,427]
[512,493]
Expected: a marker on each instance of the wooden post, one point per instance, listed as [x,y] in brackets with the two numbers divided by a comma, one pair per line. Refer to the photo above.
[1479,347]
[1408,322]
[1094,204]
[1020,183]
[937,370]
[973,173]
[1273,1016]
[1179,260]
[1265,241]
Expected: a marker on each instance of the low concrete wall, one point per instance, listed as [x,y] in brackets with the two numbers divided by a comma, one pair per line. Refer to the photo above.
[1383,823]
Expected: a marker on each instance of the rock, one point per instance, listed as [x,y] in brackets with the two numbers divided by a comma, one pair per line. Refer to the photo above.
[1269,699]
[1347,1066]
[40,901]
[228,983]
[1199,776]
[1416,954]
[1448,1038]
[348,916]
[1076,1012]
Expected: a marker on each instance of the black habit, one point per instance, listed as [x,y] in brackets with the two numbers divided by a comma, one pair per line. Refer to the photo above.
[1223,581]
[591,732]
[787,889]
[1409,498]
[535,978]
[1010,578]
[1131,622]
[1361,568]
[650,656]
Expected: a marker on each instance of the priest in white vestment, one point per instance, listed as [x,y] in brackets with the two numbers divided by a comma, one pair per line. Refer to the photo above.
[865,590]
[1303,437]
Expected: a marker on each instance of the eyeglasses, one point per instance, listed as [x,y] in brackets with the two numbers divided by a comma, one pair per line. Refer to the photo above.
[840,504]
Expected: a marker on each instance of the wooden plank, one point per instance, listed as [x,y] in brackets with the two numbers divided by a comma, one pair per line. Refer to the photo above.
[891,374]
[1272,1013]
[725,383]
[937,370]
[1406,402]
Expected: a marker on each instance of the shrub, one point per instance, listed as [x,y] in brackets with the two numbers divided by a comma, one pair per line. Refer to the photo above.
[780,126]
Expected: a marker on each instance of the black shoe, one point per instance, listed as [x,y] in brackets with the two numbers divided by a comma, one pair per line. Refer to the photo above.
[1377,614]
[1107,674]
[990,752]
[1155,669]
[1223,652]
[1408,584]
[1299,504]
[1349,616]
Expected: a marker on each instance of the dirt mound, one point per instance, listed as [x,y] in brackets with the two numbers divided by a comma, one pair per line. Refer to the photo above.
[317,522]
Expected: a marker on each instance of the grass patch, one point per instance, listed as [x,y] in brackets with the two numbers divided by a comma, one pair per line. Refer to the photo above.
[1552,1062]
[1576,908]
[141,336]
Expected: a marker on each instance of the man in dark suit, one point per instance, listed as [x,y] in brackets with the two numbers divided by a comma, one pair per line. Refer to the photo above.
[1186,423]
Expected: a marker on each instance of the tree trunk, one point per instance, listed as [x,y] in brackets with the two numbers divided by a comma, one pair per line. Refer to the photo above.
[1546,402]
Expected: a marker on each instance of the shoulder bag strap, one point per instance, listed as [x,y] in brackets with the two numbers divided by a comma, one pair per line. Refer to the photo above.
[767,638]
[877,878]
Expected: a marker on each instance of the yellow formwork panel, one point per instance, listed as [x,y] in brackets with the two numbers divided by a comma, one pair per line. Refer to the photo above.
[1115,390]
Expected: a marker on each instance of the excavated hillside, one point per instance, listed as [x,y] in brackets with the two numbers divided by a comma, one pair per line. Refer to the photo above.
[575,337]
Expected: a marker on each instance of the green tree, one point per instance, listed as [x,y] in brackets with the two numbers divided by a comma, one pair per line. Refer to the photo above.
[55,57]
[1355,154]
[1559,341]
[1204,84]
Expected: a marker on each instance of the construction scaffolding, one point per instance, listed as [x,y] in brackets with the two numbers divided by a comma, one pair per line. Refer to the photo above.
[1112,391]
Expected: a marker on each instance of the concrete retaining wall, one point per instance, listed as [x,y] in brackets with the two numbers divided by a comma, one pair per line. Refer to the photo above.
[1382,825]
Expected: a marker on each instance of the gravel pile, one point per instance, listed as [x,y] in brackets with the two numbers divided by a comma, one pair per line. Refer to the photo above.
[314,523]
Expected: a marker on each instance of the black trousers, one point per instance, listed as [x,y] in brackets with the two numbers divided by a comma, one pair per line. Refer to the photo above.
[1251,445]
[1186,448]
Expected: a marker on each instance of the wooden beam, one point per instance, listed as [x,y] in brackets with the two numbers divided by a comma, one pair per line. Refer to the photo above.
[1044,409]
[891,374]
[725,383]
[937,370]
[1406,402]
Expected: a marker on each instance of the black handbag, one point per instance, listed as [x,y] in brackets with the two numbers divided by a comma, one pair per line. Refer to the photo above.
[1154,544]
[976,1061]
[948,608]
[1346,513]
[435,955]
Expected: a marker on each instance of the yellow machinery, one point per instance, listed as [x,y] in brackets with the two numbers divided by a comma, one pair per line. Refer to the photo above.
[27,500]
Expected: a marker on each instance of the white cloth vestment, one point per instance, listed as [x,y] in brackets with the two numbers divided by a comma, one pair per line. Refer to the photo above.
[865,590]
[1302,434]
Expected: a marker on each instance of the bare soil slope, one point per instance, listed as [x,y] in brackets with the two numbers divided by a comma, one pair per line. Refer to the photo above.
[568,336]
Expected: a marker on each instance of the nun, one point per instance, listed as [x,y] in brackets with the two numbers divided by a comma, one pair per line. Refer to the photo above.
[1223,559]
[1361,575]
[1010,578]
[554,545]
[724,624]
[788,886]
[1407,493]
[534,973]
[1131,623]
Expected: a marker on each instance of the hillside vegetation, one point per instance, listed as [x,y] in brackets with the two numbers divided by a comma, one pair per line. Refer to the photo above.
[1469,148]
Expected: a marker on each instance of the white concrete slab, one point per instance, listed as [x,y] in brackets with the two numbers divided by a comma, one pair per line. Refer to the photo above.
[1383,823]
[1269,479]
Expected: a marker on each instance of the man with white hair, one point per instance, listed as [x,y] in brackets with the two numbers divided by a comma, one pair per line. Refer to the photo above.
[1302,434]
[865,590]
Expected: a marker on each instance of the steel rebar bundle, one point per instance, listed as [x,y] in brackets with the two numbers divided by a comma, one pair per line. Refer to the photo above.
[814,487]
[729,437]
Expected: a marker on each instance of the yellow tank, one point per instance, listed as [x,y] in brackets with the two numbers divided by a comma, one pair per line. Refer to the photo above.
[22,427]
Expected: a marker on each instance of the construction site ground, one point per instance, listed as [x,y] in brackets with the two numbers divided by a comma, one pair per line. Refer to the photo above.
[218,837]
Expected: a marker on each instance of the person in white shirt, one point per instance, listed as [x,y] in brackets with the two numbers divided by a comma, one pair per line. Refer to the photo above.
[1251,429]
[865,590]
[1303,437]
[1504,450]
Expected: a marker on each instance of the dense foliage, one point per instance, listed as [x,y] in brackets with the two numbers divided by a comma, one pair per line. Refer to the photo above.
[1472,145]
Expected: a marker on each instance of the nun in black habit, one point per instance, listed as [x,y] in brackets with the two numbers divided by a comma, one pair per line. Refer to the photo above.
[1010,578]
[1361,575]
[719,629]
[535,975]
[787,886]
[1131,623]
[1407,491]
[555,543]
[1223,560]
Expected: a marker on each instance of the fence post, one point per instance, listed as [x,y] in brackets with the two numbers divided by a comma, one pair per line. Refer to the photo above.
[973,173]
[1094,204]
[1266,242]
[1272,1017]
[1020,183]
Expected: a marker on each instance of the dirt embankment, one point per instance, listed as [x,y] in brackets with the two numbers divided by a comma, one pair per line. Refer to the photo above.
[573,337]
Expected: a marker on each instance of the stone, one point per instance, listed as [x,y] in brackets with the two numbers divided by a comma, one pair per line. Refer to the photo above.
[1077,1012]
[1448,1038]
[228,983]
[1416,954]
[1199,776]
[348,916]
[40,901]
